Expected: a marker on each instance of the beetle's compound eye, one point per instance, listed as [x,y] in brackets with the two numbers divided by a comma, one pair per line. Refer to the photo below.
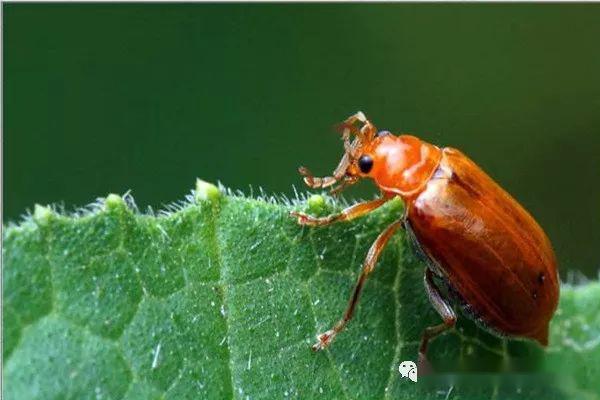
[382,133]
[365,163]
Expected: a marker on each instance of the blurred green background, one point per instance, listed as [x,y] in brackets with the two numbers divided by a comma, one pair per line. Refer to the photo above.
[103,98]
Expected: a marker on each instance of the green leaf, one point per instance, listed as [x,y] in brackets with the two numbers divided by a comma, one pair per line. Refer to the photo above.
[223,296]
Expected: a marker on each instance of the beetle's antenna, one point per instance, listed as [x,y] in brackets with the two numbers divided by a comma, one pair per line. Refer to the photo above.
[360,126]
[347,128]
[345,183]
[314,182]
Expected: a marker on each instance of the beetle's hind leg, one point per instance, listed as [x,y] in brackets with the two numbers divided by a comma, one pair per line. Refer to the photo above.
[443,309]
[324,339]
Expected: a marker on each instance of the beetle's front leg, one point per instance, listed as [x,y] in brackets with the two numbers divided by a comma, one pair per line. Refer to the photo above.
[347,214]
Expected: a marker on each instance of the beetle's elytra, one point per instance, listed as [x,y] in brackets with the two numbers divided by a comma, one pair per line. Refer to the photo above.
[480,242]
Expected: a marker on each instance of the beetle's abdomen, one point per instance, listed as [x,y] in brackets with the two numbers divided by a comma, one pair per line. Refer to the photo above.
[491,251]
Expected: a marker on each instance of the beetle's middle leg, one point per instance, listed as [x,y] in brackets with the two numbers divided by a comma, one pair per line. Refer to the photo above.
[444,310]
[324,339]
[347,214]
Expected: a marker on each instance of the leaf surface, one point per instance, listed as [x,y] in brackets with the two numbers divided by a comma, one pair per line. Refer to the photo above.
[223,297]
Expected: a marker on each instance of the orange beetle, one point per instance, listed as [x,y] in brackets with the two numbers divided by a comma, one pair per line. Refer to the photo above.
[482,246]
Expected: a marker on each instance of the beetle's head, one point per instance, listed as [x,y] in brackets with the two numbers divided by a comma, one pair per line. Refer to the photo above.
[398,164]
[358,134]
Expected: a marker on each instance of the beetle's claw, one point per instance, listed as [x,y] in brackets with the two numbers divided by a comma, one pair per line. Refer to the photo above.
[324,339]
[300,216]
[305,219]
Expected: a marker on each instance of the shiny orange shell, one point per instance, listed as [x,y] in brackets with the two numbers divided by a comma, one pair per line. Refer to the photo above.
[486,246]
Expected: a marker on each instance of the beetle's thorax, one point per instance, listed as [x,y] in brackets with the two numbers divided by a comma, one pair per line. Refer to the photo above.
[403,164]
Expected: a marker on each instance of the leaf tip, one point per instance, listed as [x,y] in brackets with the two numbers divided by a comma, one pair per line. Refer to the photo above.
[206,191]
[114,202]
[42,214]
[316,203]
